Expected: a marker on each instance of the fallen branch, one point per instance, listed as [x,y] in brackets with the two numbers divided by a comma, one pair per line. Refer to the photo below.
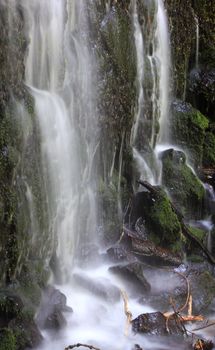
[192,318]
[127,312]
[83,345]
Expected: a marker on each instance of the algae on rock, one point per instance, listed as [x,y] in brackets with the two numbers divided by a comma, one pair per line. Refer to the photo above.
[188,130]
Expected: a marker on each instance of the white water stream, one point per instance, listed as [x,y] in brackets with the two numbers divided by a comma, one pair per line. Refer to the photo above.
[61,76]
[159,59]
[59,72]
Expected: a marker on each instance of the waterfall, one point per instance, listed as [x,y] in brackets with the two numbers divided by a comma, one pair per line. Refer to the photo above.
[61,75]
[153,104]
[163,54]
[59,70]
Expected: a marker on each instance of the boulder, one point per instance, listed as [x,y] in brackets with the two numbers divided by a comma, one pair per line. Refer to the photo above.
[155,323]
[162,226]
[50,314]
[185,189]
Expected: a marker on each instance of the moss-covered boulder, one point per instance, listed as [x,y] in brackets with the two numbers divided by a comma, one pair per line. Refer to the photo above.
[188,130]
[161,224]
[182,184]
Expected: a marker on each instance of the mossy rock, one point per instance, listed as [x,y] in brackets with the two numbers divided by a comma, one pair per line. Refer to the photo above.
[184,187]
[188,130]
[209,150]
[7,340]
[161,222]
[197,232]
[164,222]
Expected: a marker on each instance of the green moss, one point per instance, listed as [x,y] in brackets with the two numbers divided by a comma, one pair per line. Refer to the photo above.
[199,120]
[7,340]
[188,130]
[209,150]
[198,233]
[184,187]
[164,221]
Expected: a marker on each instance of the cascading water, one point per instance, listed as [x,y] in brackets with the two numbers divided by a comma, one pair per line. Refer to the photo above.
[61,75]
[153,61]
[59,72]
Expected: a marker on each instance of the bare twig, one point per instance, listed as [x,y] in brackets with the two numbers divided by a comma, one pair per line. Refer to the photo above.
[127,312]
[83,345]
[188,292]
[203,327]
[190,306]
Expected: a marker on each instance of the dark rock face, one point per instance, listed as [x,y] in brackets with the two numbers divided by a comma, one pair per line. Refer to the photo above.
[50,314]
[100,287]
[155,323]
[202,90]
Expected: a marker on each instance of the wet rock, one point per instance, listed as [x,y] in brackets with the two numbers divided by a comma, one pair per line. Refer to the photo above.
[184,187]
[155,323]
[159,222]
[137,347]
[133,276]
[50,314]
[100,287]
